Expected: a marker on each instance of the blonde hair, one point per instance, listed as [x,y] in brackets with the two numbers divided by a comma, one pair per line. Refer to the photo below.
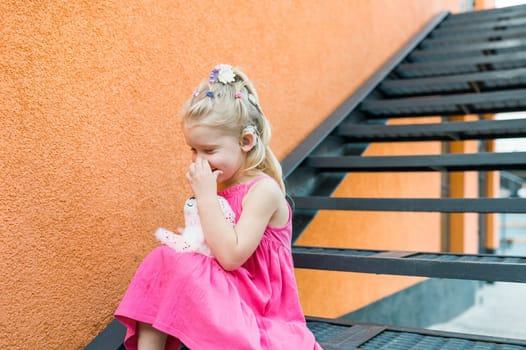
[234,106]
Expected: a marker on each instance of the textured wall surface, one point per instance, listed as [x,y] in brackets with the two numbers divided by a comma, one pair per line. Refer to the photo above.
[91,156]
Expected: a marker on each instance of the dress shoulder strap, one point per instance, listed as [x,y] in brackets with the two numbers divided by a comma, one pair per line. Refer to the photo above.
[257,179]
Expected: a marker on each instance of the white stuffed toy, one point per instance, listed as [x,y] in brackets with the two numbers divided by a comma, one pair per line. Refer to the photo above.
[192,240]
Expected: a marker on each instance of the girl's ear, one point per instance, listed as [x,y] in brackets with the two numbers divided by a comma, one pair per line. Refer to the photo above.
[248,141]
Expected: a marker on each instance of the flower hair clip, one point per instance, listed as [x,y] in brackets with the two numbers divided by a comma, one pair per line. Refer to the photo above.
[222,73]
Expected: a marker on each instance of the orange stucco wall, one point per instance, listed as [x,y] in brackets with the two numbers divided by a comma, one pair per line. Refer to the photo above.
[92,160]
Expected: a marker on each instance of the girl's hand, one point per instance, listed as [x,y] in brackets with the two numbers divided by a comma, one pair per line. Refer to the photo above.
[202,179]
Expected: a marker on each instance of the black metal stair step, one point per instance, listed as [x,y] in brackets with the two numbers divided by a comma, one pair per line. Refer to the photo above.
[471,82]
[489,32]
[447,131]
[499,20]
[462,65]
[482,267]
[482,161]
[467,50]
[311,204]
[497,25]
[487,15]
[338,334]
[474,37]
[459,104]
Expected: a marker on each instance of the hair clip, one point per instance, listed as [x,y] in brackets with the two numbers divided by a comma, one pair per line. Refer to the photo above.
[237,95]
[196,92]
[222,73]
[210,93]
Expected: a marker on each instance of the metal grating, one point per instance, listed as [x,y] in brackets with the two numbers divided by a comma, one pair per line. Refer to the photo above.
[393,340]
[443,205]
[323,331]
[445,162]
[462,65]
[481,26]
[471,82]
[486,102]
[447,131]
[483,267]
[488,23]
[470,258]
[475,37]
[486,15]
[491,47]
[348,335]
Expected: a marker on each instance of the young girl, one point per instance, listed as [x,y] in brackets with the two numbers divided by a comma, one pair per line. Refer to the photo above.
[246,296]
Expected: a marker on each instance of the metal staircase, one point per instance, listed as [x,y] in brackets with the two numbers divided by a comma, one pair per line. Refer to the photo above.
[469,63]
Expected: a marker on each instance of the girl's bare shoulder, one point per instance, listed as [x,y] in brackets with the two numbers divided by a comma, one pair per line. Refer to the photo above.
[268,200]
[266,186]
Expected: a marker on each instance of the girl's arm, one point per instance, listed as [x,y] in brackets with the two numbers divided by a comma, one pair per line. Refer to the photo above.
[232,246]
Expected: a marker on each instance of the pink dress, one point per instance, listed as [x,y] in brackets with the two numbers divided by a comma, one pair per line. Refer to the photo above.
[190,297]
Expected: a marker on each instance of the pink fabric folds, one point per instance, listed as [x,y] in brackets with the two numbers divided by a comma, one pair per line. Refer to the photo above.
[190,297]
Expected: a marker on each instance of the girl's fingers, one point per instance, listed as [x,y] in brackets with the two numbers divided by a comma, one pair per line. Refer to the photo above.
[196,163]
[191,169]
[202,165]
[206,166]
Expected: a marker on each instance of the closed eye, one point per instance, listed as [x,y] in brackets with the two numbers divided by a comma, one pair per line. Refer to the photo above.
[203,150]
